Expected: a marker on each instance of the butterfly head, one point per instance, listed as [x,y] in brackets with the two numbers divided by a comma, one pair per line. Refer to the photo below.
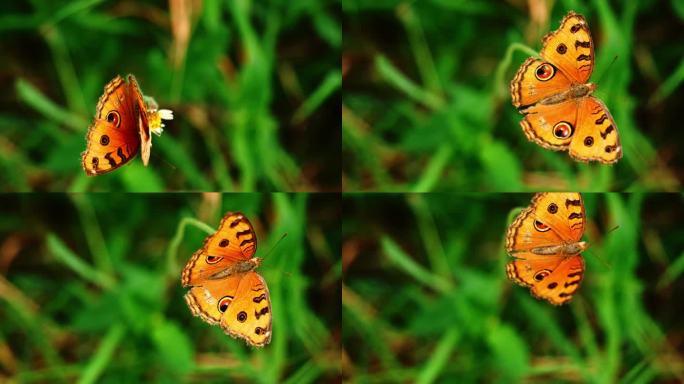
[575,248]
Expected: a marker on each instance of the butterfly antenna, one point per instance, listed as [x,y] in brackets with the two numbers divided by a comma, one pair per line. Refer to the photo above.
[275,245]
[613,229]
[605,263]
[173,167]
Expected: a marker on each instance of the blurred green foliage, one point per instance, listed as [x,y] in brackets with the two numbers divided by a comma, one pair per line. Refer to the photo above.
[426,104]
[90,289]
[426,297]
[255,87]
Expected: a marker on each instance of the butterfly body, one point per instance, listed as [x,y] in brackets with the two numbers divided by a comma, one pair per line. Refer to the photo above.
[556,99]
[225,289]
[545,242]
[565,249]
[576,92]
[241,266]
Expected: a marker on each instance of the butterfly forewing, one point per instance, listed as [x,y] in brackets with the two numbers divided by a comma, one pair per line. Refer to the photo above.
[570,48]
[562,212]
[234,241]
[536,80]
[113,138]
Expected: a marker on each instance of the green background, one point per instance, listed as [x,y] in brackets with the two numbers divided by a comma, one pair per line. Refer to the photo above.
[254,86]
[426,297]
[90,289]
[427,107]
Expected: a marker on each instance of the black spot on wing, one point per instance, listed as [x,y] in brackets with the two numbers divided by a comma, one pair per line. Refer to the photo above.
[605,133]
[260,313]
[246,241]
[111,160]
[259,298]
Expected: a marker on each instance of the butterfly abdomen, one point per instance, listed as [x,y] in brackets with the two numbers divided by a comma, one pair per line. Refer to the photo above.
[568,249]
[242,266]
[575,92]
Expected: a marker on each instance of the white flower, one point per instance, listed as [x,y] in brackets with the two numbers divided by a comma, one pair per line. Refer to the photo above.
[155,121]
[166,114]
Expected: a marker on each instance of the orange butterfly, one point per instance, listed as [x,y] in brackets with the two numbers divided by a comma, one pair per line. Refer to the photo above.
[545,241]
[122,125]
[225,290]
[553,94]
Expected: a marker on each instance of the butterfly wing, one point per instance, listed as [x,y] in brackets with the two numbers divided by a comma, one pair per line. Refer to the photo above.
[597,137]
[570,48]
[234,241]
[536,80]
[583,126]
[552,219]
[113,137]
[211,299]
[249,315]
[143,124]
[550,277]
[552,126]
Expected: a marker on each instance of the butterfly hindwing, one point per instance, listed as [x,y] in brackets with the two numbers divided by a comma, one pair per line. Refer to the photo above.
[551,278]
[249,315]
[211,299]
[596,137]
[552,126]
